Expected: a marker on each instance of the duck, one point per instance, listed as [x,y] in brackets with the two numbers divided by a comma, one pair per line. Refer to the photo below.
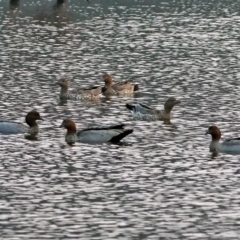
[96,134]
[9,127]
[119,88]
[77,94]
[145,112]
[229,145]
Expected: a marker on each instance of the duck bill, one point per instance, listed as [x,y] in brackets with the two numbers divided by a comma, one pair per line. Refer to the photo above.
[207,132]
[61,126]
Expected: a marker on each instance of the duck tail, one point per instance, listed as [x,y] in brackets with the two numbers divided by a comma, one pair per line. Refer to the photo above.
[121,135]
[136,88]
[130,107]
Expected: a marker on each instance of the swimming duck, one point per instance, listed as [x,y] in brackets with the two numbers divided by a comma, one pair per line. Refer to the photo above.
[97,135]
[8,127]
[144,112]
[229,145]
[77,94]
[125,87]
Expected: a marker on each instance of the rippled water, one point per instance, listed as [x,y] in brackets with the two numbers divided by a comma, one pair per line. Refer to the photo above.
[162,183]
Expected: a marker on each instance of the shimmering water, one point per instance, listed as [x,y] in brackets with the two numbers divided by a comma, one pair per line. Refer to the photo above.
[162,183]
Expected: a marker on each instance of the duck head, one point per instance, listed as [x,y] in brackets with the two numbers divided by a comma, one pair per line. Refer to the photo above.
[63,83]
[170,103]
[215,133]
[32,117]
[107,79]
[70,125]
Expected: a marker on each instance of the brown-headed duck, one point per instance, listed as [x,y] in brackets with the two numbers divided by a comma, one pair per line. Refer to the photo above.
[9,127]
[229,145]
[79,93]
[97,135]
[119,88]
[144,112]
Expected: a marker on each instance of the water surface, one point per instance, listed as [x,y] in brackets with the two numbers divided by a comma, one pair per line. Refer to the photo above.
[162,183]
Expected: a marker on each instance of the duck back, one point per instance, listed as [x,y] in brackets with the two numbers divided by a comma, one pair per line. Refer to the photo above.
[11,127]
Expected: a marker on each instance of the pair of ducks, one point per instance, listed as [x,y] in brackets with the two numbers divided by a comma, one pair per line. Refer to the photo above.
[116,133]
[104,134]
[93,93]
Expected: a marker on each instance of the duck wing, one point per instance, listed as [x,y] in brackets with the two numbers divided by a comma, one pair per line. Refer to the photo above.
[141,109]
[232,141]
[95,90]
[123,86]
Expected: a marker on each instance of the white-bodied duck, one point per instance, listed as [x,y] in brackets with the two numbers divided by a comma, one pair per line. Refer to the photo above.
[95,135]
[119,88]
[91,93]
[9,127]
[229,145]
[144,112]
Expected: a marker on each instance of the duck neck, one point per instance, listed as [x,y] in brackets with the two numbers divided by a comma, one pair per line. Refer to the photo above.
[108,84]
[167,109]
[216,137]
[63,91]
[71,131]
[31,123]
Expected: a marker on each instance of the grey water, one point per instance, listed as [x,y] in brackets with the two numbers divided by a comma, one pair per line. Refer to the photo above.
[162,183]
